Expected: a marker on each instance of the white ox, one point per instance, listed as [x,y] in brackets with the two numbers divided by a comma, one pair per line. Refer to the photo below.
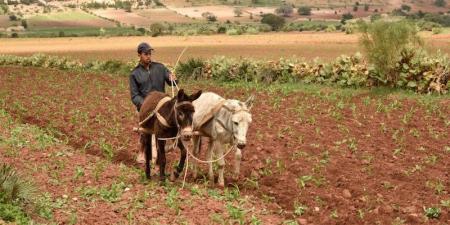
[225,123]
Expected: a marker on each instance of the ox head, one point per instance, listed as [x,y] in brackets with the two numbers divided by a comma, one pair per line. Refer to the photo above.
[184,111]
[241,120]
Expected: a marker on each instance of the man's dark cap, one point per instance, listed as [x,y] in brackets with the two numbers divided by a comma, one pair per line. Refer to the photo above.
[144,47]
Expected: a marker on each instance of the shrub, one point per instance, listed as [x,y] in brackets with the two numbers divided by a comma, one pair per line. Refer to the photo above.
[405,7]
[237,12]
[209,16]
[345,17]
[330,28]
[427,25]
[156,29]
[252,30]
[383,43]
[436,30]
[191,69]
[284,10]
[3,9]
[375,17]
[221,30]
[274,21]
[366,7]
[233,31]
[440,3]
[24,24]
[13,17]
[304,10]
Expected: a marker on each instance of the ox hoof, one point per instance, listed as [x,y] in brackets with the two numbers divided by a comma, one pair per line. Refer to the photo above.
[173,176]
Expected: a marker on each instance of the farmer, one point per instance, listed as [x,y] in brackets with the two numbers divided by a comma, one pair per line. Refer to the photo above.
[146,77]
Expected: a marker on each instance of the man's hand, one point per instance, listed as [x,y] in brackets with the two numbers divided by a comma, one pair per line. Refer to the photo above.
[172,77]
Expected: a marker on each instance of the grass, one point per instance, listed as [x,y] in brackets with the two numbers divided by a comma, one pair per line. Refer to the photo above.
[79,32]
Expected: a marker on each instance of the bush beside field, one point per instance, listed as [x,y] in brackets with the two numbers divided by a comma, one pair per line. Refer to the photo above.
[422,73]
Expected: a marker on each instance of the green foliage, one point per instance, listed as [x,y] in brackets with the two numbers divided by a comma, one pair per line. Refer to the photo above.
[415,70]
[192,68]
[236,213]
[209,16]
[237,12]
[383,43]
[24,24]
[285,10]
[436,30]
[440,3]
[274,21]
[427,25]
[13,213]
[14,188]
[3,9]
[15,193]
[432,212]
[112,193]
[375,17]
[311,26]
[345,17]
[13,17]
[366,7]
[157,29]
[405,7]
[304,10]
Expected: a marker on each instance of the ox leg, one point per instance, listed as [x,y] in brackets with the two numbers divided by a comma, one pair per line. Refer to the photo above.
[180,166]
[146,144]
[154,149]
[237,162]
[209,157]
[161,159]
[195,152]
[219,150]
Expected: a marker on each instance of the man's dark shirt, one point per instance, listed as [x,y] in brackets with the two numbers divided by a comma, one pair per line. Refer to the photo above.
[143,81]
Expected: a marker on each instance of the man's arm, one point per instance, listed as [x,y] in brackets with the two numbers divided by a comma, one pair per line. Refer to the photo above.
[134,91]
[169,77]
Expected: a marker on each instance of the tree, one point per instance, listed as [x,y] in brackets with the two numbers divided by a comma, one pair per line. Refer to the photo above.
[24,24]
[440,3]
[406,7]
[345,17]
[375,17]
[274,21]
[13,17]
[355,8]
[366,7]
[285,10]
[209,16]
[237,12]
[156,29]
[383,43]
[304,10]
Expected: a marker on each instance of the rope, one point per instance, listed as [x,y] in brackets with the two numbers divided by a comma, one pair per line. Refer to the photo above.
[202,161]
[173,83]
[211,161]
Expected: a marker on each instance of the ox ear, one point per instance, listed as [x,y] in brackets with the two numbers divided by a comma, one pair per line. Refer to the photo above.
[249,102]
[181,95]
[193,97]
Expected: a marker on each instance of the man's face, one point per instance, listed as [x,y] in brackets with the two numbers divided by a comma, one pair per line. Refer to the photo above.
[145,57]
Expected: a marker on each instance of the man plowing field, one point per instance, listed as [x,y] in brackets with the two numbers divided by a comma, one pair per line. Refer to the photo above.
[146,77]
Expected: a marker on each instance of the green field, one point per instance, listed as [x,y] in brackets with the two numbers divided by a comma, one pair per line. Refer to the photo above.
[80,32]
